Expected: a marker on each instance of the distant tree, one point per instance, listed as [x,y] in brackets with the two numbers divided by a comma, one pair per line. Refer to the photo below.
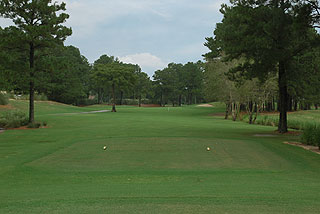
[235,90]
[38,25]
[113,75]
[193,80]
[217,86]
[267,34]
[64,76]
[98,87]
[105,59]
[165,81]
[177,80]
[142,85]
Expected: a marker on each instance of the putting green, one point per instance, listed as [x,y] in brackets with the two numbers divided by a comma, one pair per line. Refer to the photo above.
[156,161]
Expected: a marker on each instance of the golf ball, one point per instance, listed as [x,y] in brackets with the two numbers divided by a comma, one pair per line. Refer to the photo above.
[208,149]
[105,147]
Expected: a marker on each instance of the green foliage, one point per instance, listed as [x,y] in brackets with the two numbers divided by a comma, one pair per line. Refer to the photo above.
[38,27]
[304,84]
[265,120]
[13,119]
[218,87]
[37,96]
[64,76]
[142,87]
[311,135]
[130,102]
[179,82]
[300,120]
[34,125]
[115,76]
[267,35]
[4,100]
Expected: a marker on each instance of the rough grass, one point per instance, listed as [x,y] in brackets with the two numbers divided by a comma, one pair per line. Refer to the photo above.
[296,120]
[156,162]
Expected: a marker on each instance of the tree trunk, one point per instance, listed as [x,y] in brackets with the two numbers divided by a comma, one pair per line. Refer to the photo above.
[290,103]
[121,97]
[31,84]
[309,106]
[257,110]
[295,105]
[139,100]
[273,104]
[99,96]
[234,111]
[113,99]
[190,99]
[283,98]
[180,100]
[316,106]
[227,111]
[250,111]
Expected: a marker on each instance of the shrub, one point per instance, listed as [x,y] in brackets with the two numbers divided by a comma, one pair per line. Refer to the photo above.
[37,97]
[86,102]
[130,102]
[34,125]
[4,100]
[311,135]
[44,123]
[13,119]
[40,97]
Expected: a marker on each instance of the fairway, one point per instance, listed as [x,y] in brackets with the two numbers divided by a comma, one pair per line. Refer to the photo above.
[156,161]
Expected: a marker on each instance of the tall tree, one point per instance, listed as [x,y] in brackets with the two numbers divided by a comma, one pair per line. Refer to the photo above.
[39,24]
[168,82]
[193,80]
[267,34]
[97,86]
[64,76]
[114,75]
[142,85]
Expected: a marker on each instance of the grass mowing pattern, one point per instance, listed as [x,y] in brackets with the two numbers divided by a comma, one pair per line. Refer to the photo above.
[156,162]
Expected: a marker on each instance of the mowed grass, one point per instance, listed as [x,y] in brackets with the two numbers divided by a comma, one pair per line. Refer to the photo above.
[156,162]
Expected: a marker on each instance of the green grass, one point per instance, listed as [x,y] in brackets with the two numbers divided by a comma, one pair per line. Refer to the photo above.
[156,162]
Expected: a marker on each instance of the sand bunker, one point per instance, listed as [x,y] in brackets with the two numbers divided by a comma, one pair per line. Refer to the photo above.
[205,105]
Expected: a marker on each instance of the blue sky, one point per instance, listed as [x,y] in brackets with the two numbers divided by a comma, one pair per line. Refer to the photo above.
[151,33]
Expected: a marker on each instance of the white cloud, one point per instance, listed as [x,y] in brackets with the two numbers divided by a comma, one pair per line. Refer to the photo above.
[148,62]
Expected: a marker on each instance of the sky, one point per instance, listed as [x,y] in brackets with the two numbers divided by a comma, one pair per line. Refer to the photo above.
[151,33]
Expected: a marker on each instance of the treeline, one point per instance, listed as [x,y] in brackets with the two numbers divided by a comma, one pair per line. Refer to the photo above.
[241,93]
[66,76]
[272,39]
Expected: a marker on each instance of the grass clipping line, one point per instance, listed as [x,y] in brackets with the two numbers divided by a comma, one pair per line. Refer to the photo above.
[306,147]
